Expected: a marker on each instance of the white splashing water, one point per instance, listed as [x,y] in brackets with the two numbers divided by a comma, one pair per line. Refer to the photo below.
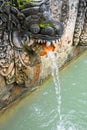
[63,123]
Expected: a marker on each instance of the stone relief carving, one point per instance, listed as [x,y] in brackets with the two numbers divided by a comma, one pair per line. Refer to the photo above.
[24,27]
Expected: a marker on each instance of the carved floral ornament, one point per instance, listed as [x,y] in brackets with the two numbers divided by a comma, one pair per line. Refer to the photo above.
[25,25]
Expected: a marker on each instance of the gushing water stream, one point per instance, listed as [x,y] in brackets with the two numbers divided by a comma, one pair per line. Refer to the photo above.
[55,75]
[63,123]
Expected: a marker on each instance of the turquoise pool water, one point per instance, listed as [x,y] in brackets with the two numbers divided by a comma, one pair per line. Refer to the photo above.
[38,111]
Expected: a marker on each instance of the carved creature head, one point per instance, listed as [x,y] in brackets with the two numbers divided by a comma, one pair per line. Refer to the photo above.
[24,26]
[32,17]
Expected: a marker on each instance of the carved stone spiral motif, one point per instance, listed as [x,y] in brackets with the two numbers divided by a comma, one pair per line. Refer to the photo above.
[24,26]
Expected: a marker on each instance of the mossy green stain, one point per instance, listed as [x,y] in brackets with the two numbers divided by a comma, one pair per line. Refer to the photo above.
[22,3]
[43,25]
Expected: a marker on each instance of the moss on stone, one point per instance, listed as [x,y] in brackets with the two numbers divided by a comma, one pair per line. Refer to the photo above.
[43,25]
[22,3]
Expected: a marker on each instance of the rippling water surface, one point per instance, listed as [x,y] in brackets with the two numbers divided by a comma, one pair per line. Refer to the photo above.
[39,111]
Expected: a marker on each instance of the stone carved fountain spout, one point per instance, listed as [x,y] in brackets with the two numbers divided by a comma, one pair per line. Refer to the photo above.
[24,27]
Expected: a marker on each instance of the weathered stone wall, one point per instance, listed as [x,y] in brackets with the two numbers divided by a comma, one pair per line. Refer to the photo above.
[64,49]
[81,24]
[64,11]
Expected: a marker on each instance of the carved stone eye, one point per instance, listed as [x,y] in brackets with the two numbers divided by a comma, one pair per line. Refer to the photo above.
[34,28]
[47,30]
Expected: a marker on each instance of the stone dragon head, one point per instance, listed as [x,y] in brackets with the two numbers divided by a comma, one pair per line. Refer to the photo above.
[25,25]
